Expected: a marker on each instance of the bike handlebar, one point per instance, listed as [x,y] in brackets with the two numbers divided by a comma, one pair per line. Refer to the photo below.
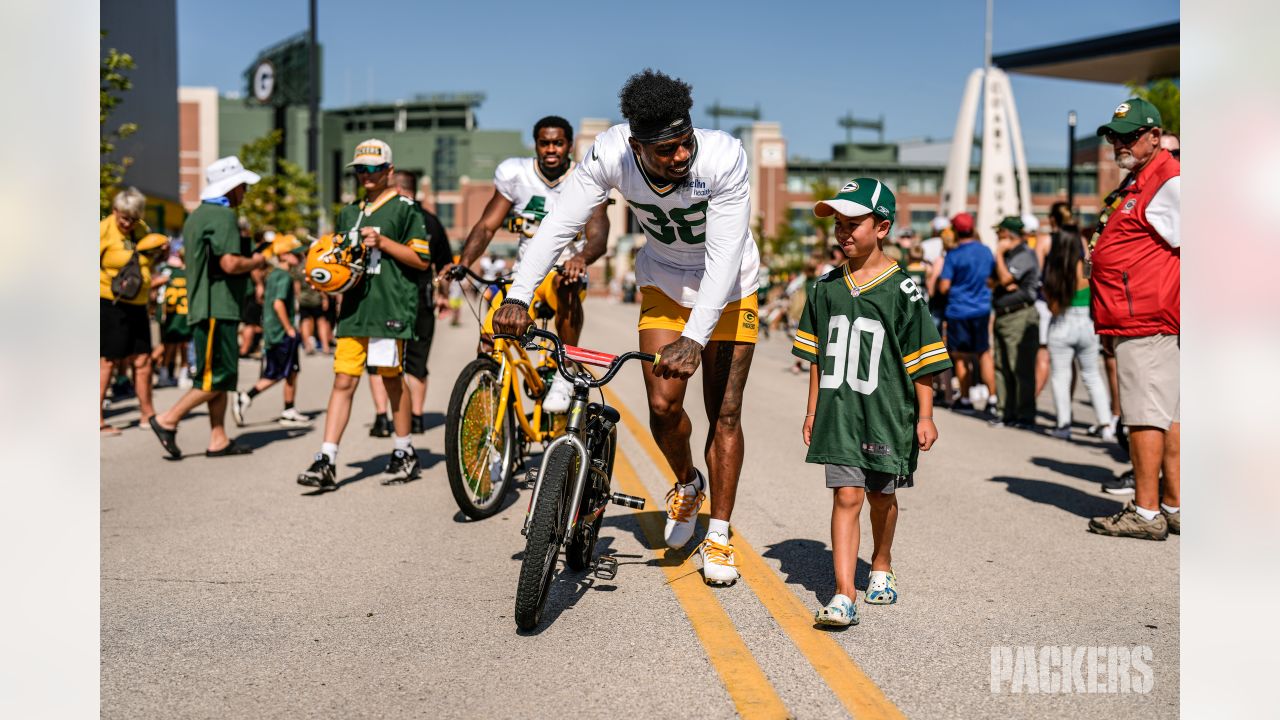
[460,271]
[562,352]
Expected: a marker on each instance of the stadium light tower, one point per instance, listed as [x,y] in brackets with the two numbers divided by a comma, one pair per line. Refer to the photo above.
[1003,185]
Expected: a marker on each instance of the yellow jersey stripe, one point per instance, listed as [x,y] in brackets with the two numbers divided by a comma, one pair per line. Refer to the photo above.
[805,348]
[807,343]
[851,284]
[926,362]
[927,348]
[806,336]
[419,246]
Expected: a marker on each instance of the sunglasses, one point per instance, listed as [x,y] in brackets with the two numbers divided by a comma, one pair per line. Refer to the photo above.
[1128,138]
[368,169]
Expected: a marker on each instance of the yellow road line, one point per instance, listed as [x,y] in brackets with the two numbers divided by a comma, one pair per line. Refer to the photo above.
[751,691]
[861,697]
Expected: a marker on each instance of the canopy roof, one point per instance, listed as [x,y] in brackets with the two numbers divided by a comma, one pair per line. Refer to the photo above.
[1136,56]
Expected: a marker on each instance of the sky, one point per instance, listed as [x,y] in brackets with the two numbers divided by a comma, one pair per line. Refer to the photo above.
[804,63]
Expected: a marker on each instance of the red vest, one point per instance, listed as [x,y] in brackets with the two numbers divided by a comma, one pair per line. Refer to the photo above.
[1136,275]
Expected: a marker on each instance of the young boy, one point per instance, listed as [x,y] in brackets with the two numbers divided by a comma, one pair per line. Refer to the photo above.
[377,314]
[279,336]
[872,348]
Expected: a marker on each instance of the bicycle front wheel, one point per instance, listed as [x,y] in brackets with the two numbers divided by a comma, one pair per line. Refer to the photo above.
[480,454]
[546,531]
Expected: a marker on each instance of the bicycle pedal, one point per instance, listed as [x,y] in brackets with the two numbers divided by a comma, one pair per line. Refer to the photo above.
[605,567]
[630,501]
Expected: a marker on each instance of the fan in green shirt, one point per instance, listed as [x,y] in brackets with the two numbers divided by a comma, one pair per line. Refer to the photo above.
[385,302]
[218,264]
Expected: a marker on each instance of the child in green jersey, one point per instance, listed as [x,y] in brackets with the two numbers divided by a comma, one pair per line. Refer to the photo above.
[872,347]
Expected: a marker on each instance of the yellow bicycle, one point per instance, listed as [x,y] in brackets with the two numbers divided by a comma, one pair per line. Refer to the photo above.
[489,428]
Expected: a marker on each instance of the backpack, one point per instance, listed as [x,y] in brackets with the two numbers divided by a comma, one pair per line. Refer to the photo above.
[128,281]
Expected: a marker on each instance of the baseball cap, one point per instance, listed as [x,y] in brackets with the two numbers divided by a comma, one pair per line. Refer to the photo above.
[940,223]
[283,244]
[224,175]
[152,241]
[1012,223]
[1030,223]
[860,197]
[962,223]
[372,152]
[1130,115]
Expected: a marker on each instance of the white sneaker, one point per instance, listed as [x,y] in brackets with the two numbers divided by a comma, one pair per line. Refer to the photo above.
[184,378]
[292,418]
[1108,432]
[239,404]
[718,567]
[558,397]
[683,502]
[1062,433]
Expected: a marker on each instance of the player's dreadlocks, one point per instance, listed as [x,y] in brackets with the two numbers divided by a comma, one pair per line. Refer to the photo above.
[553,121]
[657,105]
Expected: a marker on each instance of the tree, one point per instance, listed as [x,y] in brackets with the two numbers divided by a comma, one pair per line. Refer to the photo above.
[113,82]
[1166,95]
[285,198]
[821,190]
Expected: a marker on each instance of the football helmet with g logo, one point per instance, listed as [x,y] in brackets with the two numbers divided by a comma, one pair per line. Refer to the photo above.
[334,266]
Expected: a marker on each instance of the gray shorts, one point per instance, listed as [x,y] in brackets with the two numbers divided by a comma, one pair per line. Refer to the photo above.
[839,476]
[1148,373]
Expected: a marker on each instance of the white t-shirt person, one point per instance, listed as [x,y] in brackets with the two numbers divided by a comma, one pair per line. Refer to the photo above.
[699,250]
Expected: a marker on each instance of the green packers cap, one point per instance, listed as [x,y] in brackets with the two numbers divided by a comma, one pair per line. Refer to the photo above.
[860,197]
[1012,224]
[1130,115]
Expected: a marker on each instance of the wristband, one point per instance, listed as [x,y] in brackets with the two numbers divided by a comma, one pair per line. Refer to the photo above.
[513,301]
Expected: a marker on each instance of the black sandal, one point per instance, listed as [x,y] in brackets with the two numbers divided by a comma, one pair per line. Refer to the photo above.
[231,449]
[168,438]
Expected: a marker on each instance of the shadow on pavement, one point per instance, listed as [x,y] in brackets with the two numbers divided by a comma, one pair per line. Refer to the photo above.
[257,439]
[808,563]
[376,465]
[432,420]
[1065,498]
[1091,473]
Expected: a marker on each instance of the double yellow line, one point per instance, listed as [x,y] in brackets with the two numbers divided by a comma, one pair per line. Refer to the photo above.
[752,693]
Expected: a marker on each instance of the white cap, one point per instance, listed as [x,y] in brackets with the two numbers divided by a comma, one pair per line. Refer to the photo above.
[1029,223]
[224,175]
[372,152]
[940,223]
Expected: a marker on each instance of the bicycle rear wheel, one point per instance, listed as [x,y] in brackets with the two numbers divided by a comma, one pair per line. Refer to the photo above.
[480,459]
[546,531]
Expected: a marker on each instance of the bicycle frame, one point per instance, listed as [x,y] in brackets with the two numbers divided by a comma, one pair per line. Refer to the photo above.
[515,362]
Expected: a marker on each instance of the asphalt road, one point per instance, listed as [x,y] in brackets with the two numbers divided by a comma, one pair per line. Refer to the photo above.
[230,591]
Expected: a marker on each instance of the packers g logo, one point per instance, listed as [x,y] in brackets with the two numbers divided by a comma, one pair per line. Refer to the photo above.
[749,320]
[321,275]
[1122,110]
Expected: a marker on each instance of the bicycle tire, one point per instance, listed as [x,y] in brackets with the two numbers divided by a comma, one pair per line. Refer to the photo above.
[467,444]
[582,545]
[546,530]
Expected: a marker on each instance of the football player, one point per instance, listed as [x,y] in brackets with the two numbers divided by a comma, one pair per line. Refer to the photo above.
[528,188]
[698,275]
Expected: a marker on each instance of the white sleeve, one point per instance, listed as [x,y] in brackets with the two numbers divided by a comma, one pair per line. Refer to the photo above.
[586,188]
[504,178]
[728,231]
[1164,212]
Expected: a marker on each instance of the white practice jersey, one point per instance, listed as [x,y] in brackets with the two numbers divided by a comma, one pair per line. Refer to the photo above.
[532,195]
[699,250]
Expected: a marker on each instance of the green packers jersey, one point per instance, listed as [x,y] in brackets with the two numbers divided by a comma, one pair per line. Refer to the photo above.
[279,286]
[385,302]
[211,231]
[871,341]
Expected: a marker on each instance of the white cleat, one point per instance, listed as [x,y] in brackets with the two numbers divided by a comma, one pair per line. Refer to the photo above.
[239,403]
[683,501]
[558,397]
[718,566]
